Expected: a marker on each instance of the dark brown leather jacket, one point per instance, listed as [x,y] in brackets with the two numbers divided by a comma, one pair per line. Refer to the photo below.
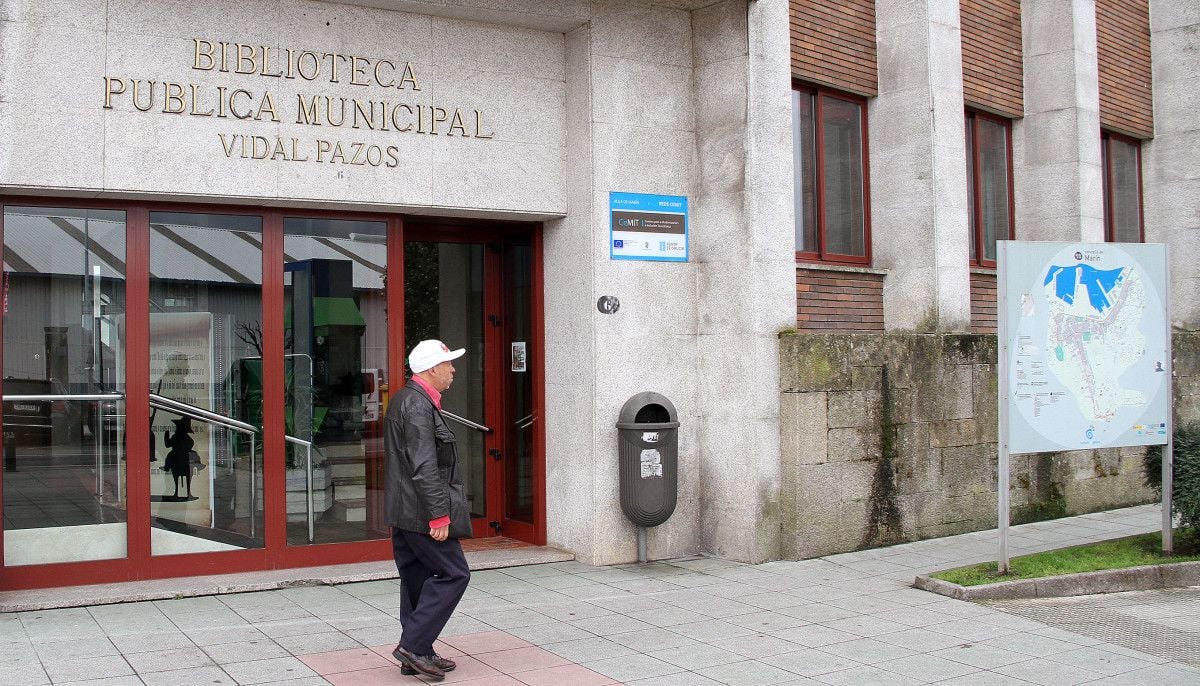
[423,478]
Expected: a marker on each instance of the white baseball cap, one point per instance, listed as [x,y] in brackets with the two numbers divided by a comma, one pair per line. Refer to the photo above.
[429,354]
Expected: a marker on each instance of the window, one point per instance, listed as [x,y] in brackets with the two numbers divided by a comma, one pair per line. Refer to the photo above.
[829,152]
[335,335]
[64,351]
[989,184]
[206,348]
[1122,188]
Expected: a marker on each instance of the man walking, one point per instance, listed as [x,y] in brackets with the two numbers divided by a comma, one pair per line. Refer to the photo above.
[426,508]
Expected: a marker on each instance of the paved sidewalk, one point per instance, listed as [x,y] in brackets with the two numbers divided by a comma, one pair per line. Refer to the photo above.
[843,619]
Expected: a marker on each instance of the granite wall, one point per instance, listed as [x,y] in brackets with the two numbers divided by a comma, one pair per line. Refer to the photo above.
[893,437]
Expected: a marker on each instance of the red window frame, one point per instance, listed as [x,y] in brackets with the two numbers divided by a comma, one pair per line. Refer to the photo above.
[1106,139]
[820,95]
[139,562]
[978,254]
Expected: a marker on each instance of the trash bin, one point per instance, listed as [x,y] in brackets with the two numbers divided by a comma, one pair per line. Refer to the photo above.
[648,435]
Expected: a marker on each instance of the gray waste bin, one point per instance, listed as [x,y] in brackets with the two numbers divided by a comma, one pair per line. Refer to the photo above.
[648,435]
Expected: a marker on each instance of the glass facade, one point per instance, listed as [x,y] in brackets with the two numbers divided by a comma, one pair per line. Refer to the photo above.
[206,348]
[260,357]
[64,383]
[335,350]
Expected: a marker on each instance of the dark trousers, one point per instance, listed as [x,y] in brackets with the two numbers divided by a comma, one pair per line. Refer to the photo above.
[433,578]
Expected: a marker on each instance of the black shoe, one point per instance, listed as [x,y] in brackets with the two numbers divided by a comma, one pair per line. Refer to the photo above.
[444,664]
[420,664]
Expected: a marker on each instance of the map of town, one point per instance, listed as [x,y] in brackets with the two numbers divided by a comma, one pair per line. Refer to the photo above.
[1094,334]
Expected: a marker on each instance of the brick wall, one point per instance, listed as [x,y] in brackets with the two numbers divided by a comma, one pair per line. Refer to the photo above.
[983,303]
[833,44]
[1123,54]
[838,300]
[886,438]
[991,55]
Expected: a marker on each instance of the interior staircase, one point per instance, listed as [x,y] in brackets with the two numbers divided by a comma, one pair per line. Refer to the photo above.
[348,471]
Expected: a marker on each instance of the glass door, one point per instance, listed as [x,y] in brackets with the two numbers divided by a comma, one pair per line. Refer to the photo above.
[444,298]
[517,327]
[476,294]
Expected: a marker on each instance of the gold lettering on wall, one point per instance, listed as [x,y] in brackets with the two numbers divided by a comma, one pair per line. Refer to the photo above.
[172,98]
[379,79]
[137,102]
[233,103]
[409,77]
[204,55]
[266,60]
[112,86]
[195,100]
[247,95]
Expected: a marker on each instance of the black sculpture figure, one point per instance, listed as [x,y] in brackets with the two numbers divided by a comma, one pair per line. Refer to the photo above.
[179,457]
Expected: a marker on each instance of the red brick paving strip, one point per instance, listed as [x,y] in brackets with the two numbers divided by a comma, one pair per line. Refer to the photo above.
[491,658]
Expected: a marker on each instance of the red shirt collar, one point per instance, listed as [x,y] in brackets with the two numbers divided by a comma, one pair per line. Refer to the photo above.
[434,395]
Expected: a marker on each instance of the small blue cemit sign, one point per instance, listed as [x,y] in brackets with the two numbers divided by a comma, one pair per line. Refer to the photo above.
[648,227]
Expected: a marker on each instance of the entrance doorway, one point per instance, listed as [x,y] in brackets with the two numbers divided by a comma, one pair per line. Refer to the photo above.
[475,290]
[202,388]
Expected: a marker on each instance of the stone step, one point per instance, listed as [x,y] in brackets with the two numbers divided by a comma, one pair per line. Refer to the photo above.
[350,510]
[343,451]
[297,503]
[298,478]
[347,470]
[349,487]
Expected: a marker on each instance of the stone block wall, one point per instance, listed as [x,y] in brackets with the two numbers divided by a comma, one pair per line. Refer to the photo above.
[887,438]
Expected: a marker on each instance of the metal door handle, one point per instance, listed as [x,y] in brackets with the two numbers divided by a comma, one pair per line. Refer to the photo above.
[467,422]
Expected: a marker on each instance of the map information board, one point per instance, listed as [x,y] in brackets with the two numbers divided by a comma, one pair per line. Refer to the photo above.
[1087,357]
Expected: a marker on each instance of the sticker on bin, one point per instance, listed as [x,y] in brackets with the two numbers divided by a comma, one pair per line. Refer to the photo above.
[651,464]
[650,437]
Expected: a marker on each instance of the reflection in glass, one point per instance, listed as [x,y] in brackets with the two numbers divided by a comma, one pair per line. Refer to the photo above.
[443,299]
[519,294]
[804,152]
[64,456]
[993,183]
[969,126]
[1122,189]
[335,347]
[206,351]
[845,228]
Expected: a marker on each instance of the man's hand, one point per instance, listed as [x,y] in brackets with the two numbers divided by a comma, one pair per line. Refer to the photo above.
[441,533]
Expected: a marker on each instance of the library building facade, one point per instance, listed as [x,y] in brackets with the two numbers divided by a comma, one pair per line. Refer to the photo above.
[226,224]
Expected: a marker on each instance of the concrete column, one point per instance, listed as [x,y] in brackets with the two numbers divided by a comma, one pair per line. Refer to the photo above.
[1170,176]
[742,248]
[570,352]
[1056,147]
[919,228]
[640,138]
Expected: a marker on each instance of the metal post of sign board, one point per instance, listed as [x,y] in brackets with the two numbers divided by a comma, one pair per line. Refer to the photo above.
[1168,519]
[1002,392]
[1168,453]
